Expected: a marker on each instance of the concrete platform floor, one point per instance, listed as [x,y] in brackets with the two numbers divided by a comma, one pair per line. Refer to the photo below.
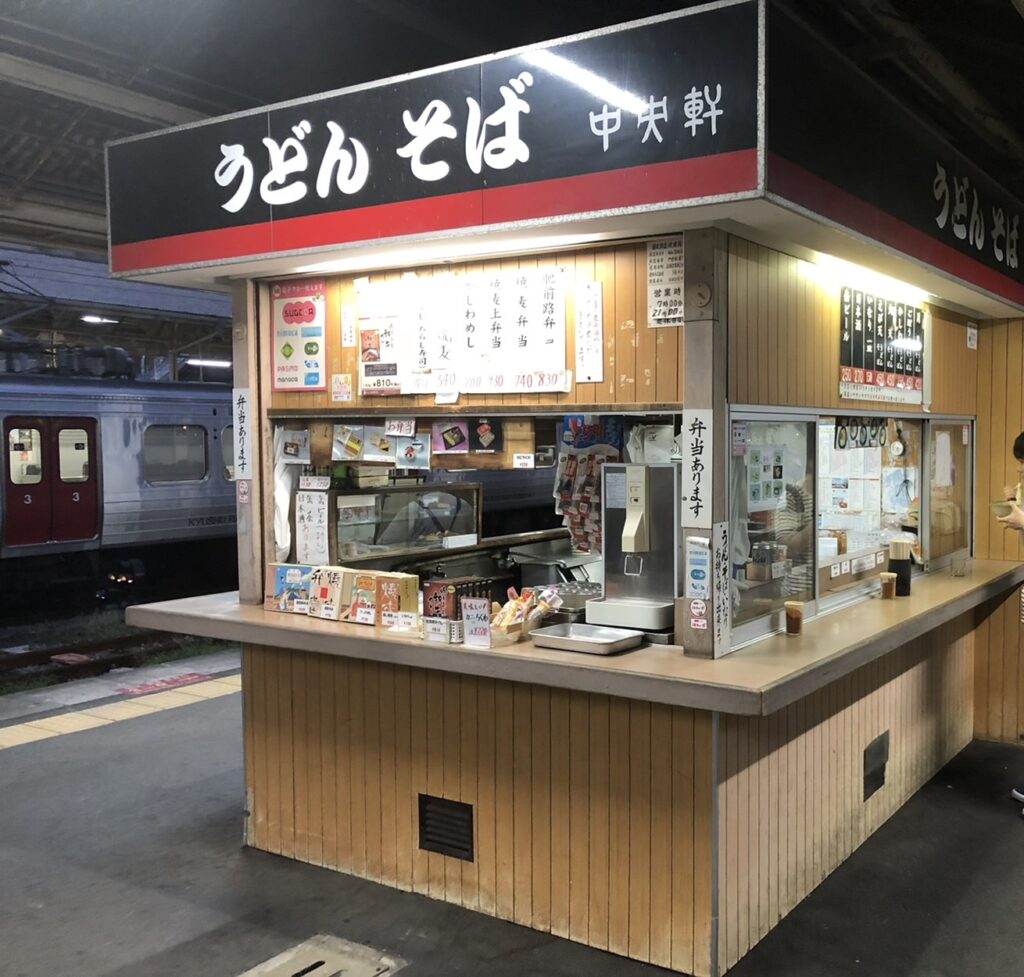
[120,856]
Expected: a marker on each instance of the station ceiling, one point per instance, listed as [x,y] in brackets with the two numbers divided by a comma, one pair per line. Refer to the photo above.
[75,74]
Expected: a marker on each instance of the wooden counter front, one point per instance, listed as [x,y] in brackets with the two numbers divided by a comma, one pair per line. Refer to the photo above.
[757,680]
[668,809]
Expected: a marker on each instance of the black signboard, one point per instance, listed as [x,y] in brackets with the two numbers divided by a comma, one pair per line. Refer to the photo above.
[840,146]
[881,348]
[661,112]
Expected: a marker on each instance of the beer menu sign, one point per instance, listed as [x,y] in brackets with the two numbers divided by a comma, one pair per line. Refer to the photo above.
[881,349]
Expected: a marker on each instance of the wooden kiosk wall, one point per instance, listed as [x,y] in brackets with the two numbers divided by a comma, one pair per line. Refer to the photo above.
[999,677]
[790,805]
[670,835]
[592,814]
[643,367]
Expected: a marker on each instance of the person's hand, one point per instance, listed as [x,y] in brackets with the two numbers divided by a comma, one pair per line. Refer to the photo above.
[1015,520]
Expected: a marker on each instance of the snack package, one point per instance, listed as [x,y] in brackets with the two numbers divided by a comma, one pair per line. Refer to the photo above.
[523,612]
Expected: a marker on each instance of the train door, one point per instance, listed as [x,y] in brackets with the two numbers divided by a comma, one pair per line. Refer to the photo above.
[74,478]
[50,490]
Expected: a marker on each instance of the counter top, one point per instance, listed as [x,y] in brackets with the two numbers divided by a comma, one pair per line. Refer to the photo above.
[757,680]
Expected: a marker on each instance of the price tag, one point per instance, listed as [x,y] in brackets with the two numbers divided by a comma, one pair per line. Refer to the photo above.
[366,615]
[314,483]
[523,460]
[400,620]
[436,629]
[476,618]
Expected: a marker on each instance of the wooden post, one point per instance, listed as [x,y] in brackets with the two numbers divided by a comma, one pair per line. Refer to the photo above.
[705,296]
[249,497]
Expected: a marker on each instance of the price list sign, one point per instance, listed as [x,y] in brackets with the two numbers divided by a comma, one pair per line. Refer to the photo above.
[881,349]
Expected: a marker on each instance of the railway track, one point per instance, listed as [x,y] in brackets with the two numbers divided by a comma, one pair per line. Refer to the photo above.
[83,659]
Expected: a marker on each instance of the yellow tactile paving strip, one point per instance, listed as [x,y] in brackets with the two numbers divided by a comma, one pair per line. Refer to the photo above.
[113,712]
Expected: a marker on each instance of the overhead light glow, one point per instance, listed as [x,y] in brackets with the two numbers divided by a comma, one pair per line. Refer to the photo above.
[834,273]
[591,83]
[445,251]
[908,343]
[214,364]
[98,320]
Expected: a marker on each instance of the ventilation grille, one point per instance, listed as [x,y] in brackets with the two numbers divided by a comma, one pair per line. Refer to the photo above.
[446,827]
[876,756]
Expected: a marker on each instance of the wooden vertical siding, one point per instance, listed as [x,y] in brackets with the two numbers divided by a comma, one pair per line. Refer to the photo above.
[784,340]
[642,366]
[790,785]
[999,678]
[592,815]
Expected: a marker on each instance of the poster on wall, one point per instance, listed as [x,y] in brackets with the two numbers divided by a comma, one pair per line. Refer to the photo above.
[299,333]
[665,282]
[766,477]
[881,349]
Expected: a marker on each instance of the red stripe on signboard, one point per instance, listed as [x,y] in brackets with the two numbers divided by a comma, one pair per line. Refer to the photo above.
[802,187]
[706,176]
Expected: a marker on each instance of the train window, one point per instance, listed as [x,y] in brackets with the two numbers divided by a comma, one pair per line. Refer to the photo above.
[25,455]
[174,453]
[227,451]
[74,454]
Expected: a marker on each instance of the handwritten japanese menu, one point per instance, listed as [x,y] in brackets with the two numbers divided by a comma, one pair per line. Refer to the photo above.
[311,528]
[590,334]
[494,333]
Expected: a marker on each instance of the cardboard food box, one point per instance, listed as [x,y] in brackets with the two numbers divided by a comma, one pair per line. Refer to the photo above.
[330,591]
[363,604]
[396,592]
[286,587]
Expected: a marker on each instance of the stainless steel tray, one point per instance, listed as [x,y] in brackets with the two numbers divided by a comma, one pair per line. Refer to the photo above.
[589,638]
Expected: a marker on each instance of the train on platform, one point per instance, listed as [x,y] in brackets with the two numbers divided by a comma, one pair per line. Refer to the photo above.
[112,479]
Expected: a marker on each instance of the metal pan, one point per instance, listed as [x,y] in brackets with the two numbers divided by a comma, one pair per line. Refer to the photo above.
[588,638]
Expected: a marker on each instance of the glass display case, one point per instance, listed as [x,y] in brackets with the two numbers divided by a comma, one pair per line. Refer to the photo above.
[816,500]
[404,520]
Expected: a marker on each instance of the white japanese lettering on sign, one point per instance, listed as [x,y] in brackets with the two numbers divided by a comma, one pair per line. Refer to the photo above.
[344,167]
[699,106]
[962,212]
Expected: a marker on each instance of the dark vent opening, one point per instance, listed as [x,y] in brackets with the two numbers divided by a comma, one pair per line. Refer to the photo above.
[876,756]
[446,827]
